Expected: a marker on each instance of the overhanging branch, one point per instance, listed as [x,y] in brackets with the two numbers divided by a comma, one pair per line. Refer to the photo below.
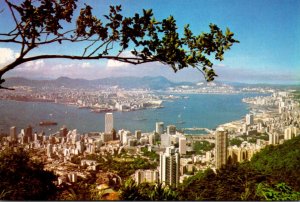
[131,60]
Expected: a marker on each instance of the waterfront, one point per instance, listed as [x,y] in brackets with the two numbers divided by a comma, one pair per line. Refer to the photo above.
[200,110]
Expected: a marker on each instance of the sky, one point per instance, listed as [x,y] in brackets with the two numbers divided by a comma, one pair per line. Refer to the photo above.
[268,52]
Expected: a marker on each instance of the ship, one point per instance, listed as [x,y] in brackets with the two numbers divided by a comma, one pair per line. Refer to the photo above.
[140,119]
[48,123]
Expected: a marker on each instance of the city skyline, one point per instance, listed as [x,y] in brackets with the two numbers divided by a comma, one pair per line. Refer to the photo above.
[268,53]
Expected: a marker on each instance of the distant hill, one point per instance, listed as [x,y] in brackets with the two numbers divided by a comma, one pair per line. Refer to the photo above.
[277,86]
[154,83]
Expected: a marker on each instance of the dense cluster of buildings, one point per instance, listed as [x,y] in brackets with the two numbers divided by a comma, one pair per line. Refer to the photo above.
[97,100]
[276,116]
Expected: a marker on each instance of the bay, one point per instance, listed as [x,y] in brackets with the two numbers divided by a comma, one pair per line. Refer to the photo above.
[199,110]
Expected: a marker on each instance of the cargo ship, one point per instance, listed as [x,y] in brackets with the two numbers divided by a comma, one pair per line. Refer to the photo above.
[48,123]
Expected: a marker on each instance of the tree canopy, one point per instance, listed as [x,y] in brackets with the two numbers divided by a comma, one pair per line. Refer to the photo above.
[272,174]
[44,22]
[24,179]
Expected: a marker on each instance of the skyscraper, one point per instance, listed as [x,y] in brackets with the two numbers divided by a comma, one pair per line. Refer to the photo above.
[249,119]
[221,147]
[288,134]
[171,130]
[159,127]
[169,167]
[28,133]
[138,134]
[165,140]
[109,122]
[273,138]
[182,145]
[63,132]
[13,133]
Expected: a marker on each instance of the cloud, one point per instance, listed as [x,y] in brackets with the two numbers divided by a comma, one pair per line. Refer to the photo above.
[7,55]
[111,68]
[85,65]
[30,66]
[116,65]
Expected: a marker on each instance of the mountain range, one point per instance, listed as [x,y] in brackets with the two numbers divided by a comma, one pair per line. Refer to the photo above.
[130,82]
[154,83]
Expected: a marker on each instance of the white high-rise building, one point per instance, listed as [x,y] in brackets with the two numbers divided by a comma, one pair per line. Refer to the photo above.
[249,119]
[109,122]
[49,150]
[273,138]
[169,167]
[165,140]
[288,133]
[221,147]
[295,131]
[151,139]
[159,127]
[13,133]
[182,145]
[171,130]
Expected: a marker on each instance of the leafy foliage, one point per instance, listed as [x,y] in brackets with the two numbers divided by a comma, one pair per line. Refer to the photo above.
[235,141]
[282,162]
[234,182]
[131,191]
[202,146]
[272,174]
[281,192]
[123,168]
[40,23]
[24,179]
[151,154]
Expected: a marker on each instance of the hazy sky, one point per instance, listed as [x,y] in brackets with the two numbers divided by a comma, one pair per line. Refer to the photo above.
[268,31]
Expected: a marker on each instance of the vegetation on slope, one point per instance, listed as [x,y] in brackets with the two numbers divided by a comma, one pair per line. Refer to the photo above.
[24,179]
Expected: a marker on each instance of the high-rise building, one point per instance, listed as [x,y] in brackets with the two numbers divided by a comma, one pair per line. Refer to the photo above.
[114,134]
[288,133]
[249,119]
[138,134]
[165,140]
[28,133]
[169,167]
[151,139]
[13,133]
[125,136]
[273,138]
[182,145]
[109,122]
[35,137]
[49,150]
[295,131]
[63,132]
[159,127]
[171,130]
[221,147]
[146,176]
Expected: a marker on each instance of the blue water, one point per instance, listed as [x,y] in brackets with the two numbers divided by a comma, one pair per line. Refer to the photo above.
[204,110]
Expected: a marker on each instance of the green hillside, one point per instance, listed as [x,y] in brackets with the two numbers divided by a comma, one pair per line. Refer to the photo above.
[272,174]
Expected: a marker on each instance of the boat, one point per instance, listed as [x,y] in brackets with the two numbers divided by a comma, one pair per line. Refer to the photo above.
[48,123]
[140,119]
[180,122]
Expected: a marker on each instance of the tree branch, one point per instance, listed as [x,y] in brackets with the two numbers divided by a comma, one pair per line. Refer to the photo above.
[131,60]
[17,25]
